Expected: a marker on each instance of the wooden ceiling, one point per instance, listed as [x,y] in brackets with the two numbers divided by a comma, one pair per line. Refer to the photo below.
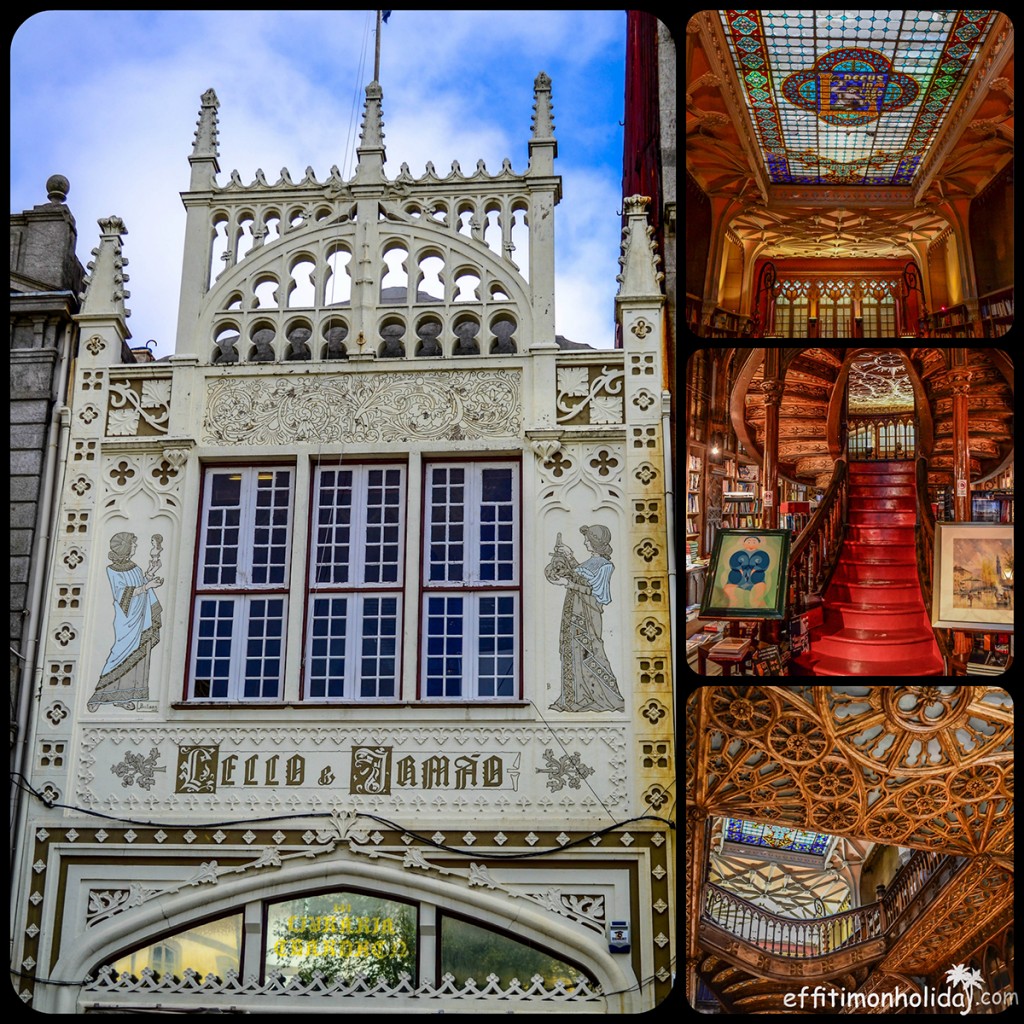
[929,767]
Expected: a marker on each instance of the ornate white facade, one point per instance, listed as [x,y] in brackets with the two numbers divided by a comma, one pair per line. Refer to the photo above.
[502,687]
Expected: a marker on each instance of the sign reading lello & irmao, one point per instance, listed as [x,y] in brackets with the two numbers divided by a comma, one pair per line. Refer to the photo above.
[203,768]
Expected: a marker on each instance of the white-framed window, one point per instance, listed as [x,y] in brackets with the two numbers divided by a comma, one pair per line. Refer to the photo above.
[241,596]
[470,609]
[356,575]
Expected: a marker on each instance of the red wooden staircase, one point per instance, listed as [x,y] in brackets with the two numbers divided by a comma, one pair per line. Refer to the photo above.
[875,621]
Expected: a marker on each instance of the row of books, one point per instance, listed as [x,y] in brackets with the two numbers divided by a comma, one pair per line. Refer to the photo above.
[1001,307]
[694,482]
[793,521]
[691,503]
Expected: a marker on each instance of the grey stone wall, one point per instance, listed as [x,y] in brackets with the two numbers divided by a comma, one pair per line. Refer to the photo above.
[46,280]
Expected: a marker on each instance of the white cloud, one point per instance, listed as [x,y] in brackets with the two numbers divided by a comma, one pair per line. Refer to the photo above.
[110,100]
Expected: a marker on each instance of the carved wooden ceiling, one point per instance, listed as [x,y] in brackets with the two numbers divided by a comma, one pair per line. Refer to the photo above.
[929,767]
[877,381]
[785,889]
[943,147]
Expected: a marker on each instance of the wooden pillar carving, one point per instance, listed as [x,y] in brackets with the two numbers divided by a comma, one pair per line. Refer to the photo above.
[960,384]
[696,828]
[771,388]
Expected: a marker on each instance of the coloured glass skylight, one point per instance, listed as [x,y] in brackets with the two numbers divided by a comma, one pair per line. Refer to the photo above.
[777,837]
[851,97]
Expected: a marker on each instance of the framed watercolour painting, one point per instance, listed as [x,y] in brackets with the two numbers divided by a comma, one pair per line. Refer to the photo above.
[746,577]
[973,582]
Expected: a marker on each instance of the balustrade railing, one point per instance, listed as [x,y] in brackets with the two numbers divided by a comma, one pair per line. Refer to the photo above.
[924,540]
[785,936]
[909,881]
[816,550]
[818,936]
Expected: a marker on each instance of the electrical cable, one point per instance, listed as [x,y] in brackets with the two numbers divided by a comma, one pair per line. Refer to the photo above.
[360,814]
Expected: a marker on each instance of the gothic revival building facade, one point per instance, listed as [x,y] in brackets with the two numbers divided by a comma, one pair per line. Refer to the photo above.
[355,661]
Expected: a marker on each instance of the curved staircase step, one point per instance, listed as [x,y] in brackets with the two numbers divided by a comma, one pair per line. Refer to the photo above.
[826,665]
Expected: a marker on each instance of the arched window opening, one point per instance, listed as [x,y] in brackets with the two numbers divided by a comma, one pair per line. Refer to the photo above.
[212,947]
[471,951]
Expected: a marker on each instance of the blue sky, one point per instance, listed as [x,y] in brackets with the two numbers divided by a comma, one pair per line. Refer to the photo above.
[110,99]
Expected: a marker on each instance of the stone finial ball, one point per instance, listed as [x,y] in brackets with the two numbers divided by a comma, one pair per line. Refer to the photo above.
[57,188]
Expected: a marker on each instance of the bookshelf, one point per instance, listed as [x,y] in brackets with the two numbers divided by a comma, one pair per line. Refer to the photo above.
[694,500]
[992,506]
[996,311]
[954,322]
[741,495]
[727,325]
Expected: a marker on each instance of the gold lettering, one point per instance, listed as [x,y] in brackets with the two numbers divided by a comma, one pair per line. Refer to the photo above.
[344,948]
[363,949]
[311,947]
[297,947]
[250,770]
[295,770]
[388,926]
[292,926]
[280,948]
[329,947]
[271,770]
[227,769]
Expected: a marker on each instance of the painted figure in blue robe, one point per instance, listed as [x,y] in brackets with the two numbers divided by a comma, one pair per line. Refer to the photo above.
[124,678]
[588,682]
[747,573]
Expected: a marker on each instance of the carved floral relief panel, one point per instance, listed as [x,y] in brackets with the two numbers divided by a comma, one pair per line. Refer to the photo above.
[452,405]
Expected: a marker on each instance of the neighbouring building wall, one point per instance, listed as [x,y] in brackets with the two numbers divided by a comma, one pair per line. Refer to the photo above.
[46,279]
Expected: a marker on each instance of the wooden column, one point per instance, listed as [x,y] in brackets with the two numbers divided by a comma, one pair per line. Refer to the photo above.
[771,388]
[960,384]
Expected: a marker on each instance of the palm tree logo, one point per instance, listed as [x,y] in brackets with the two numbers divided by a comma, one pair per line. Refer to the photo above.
[967,979]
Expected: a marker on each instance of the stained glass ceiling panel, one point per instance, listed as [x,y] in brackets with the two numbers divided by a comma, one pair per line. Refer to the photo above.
[777,837]
[851,97]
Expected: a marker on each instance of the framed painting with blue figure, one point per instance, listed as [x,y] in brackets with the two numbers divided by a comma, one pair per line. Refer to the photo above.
[747,575]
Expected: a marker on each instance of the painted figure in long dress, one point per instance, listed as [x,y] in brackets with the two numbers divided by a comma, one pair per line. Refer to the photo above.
[124,678]
[588,683]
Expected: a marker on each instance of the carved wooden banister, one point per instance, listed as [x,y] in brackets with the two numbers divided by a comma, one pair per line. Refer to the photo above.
[785,936]
[910,893]
[924,540]
[816,550]
[909,881]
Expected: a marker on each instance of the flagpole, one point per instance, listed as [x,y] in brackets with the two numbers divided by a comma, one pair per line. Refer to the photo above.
[376,55]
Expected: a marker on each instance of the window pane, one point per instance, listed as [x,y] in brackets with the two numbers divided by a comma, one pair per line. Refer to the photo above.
[220,555]
[497,563]
[377,665]
[342,935]
[264,654]
[211,948]
[382,526]
[469,951]
[444,646]
[334,525]
[496,650]
[327,661]
[447,513]
[270,531]
[214,627]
